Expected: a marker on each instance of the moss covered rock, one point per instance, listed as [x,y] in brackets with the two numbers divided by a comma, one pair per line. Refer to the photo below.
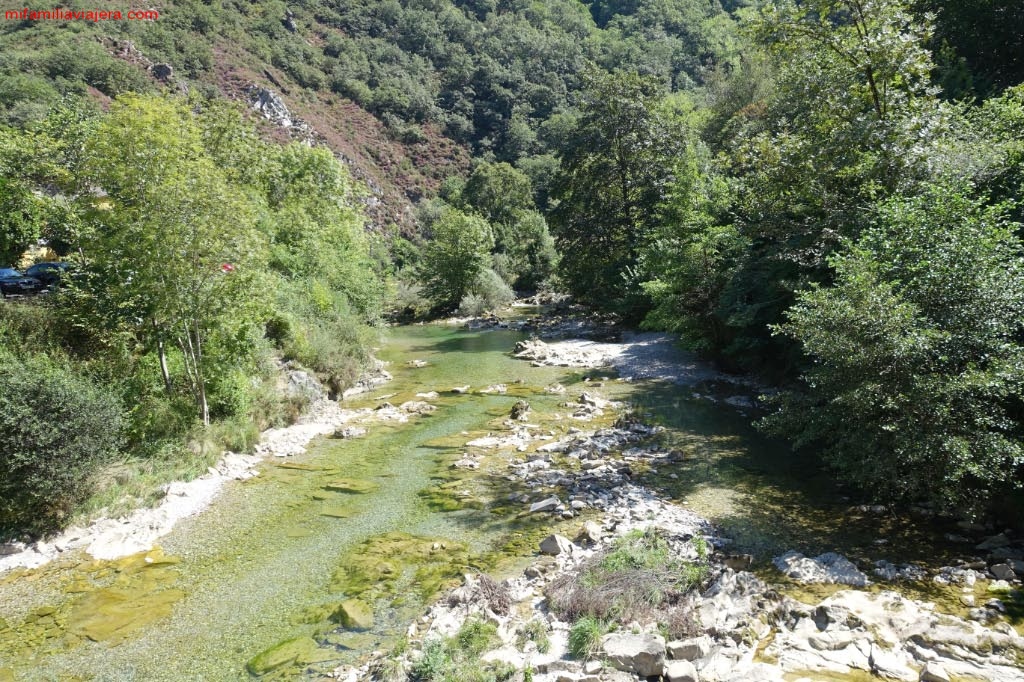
[288,652]
[354,614]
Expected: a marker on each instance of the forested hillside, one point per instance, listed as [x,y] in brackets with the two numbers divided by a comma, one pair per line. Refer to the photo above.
[824,193]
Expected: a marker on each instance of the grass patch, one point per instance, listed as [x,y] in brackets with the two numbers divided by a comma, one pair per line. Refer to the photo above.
[535,631]
[585,637]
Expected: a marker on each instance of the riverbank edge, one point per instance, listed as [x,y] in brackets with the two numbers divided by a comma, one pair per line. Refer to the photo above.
[139,530]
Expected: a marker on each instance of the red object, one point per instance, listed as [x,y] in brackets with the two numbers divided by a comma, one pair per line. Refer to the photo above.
[227,267]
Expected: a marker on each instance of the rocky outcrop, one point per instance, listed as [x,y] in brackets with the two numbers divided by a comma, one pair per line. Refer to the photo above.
[370,380]
[269,105]
[747,630]
[830,568]
[566,354]
[520,411]
[299,383]
[742,620]
[555,545]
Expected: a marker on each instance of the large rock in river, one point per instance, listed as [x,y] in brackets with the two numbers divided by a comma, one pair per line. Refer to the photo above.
[831,568]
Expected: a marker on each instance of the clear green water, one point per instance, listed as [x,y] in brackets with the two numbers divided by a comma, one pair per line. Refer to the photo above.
[276,554]
[250,571]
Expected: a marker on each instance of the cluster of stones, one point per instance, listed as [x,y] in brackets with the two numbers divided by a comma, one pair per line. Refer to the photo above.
[542,354]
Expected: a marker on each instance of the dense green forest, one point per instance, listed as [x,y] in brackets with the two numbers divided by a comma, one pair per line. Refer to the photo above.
[824,193]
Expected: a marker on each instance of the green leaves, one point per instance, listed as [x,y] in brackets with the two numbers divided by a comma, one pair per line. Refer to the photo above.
[917,361]
[172,245]
[459,251]
[613,179]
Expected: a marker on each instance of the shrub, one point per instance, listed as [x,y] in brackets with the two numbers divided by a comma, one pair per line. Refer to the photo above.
[489,292]
[409,300]
[471,305]
[476,636]
[56,429]
[434,663]
[492,289]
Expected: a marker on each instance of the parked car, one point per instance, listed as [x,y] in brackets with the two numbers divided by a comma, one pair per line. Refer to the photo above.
[50,274]
[13,283]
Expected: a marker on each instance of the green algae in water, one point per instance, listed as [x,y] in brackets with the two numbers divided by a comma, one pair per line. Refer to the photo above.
[115,614]
[336,512]
[109,602]
[352,485]
[381,562]
[451,496]
[354,614]
[300,466]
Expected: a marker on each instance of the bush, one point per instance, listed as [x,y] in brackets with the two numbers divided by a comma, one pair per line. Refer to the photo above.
[57,429]
[535,631]
[489,292]
[476,637]
[914,389]
[471,305]
[490,287]
[409,301]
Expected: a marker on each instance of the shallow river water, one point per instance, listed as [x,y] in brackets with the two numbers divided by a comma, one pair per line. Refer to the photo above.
[382,518]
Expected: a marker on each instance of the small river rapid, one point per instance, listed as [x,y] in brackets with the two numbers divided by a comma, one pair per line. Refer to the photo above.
[381,517]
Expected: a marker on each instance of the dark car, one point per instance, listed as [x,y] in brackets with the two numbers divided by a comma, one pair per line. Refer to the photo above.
[13,283]
[50,274]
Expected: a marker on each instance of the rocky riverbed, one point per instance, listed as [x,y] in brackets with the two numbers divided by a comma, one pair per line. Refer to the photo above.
[743,626]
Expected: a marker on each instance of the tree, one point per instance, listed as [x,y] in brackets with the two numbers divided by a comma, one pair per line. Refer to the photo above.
[612,179]
[687,263]
[917,356]
[853,119]
[458,252]
[28,159]
[58,428]
[524,253]
[171,246]
[497,191]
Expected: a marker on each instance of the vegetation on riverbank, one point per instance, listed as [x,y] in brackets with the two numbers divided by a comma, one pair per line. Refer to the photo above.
[202,255]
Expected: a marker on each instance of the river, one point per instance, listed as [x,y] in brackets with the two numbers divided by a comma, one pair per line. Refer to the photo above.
[383,518]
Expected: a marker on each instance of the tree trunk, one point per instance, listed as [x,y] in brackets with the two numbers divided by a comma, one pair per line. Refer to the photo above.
[204,407]
[191,348]
[162,354]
